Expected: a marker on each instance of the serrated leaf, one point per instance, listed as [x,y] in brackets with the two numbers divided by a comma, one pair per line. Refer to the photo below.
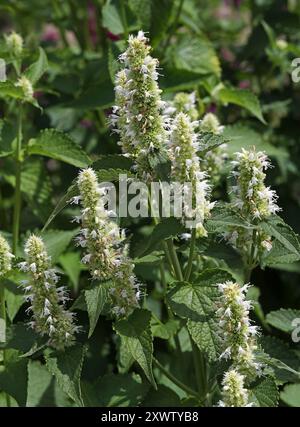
[35,71]
[265,393]
[59,146]
[124,357]
[283,319]
[95,299]
[194,54]
[67,369]
[279,350]
[208,141]
[197,303]
[136,335]
[286,247]
[57,241]
[291,395]
[223,218]
[242,97]
[115,391]
[206,335]
[35,185]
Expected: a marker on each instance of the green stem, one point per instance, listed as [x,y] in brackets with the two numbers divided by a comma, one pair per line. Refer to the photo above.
[163,278]
[18,201]
[191,256]
[124,19]
[251,258]
[174,258]
[175,380]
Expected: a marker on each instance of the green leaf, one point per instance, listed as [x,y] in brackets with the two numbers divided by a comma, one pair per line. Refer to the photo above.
[162,397]
[36,186]
[280,351]
[286,247]
[206,335]
[166,330]
[142,10]
[97,95]
[43,389]
[35,71]
[7,135]
[67,369]
[14,296]
[208,141]
[63,202]
[224,218]
[242,97]
[137,337]
[59,146]
[291,395]
[9,89]
[161,12]
[283,319]
[194,54]
[197,303]
[115,391]
[265,393]
[95,299]
[167,228]
[14,380]
[111,18]
[72,266]
[57,241]
[19,337]
[112,161]
[124,357]
[39,382]
[241,136]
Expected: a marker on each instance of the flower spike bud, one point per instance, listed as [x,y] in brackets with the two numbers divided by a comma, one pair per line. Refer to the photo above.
[239,336]
[49,317]
[26,87]
[14,43]
[183,102]
[105,252]
[234,394]
[6,257]
[137,116]
[213,161]
[186,168]
[210,123]
[253,198]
